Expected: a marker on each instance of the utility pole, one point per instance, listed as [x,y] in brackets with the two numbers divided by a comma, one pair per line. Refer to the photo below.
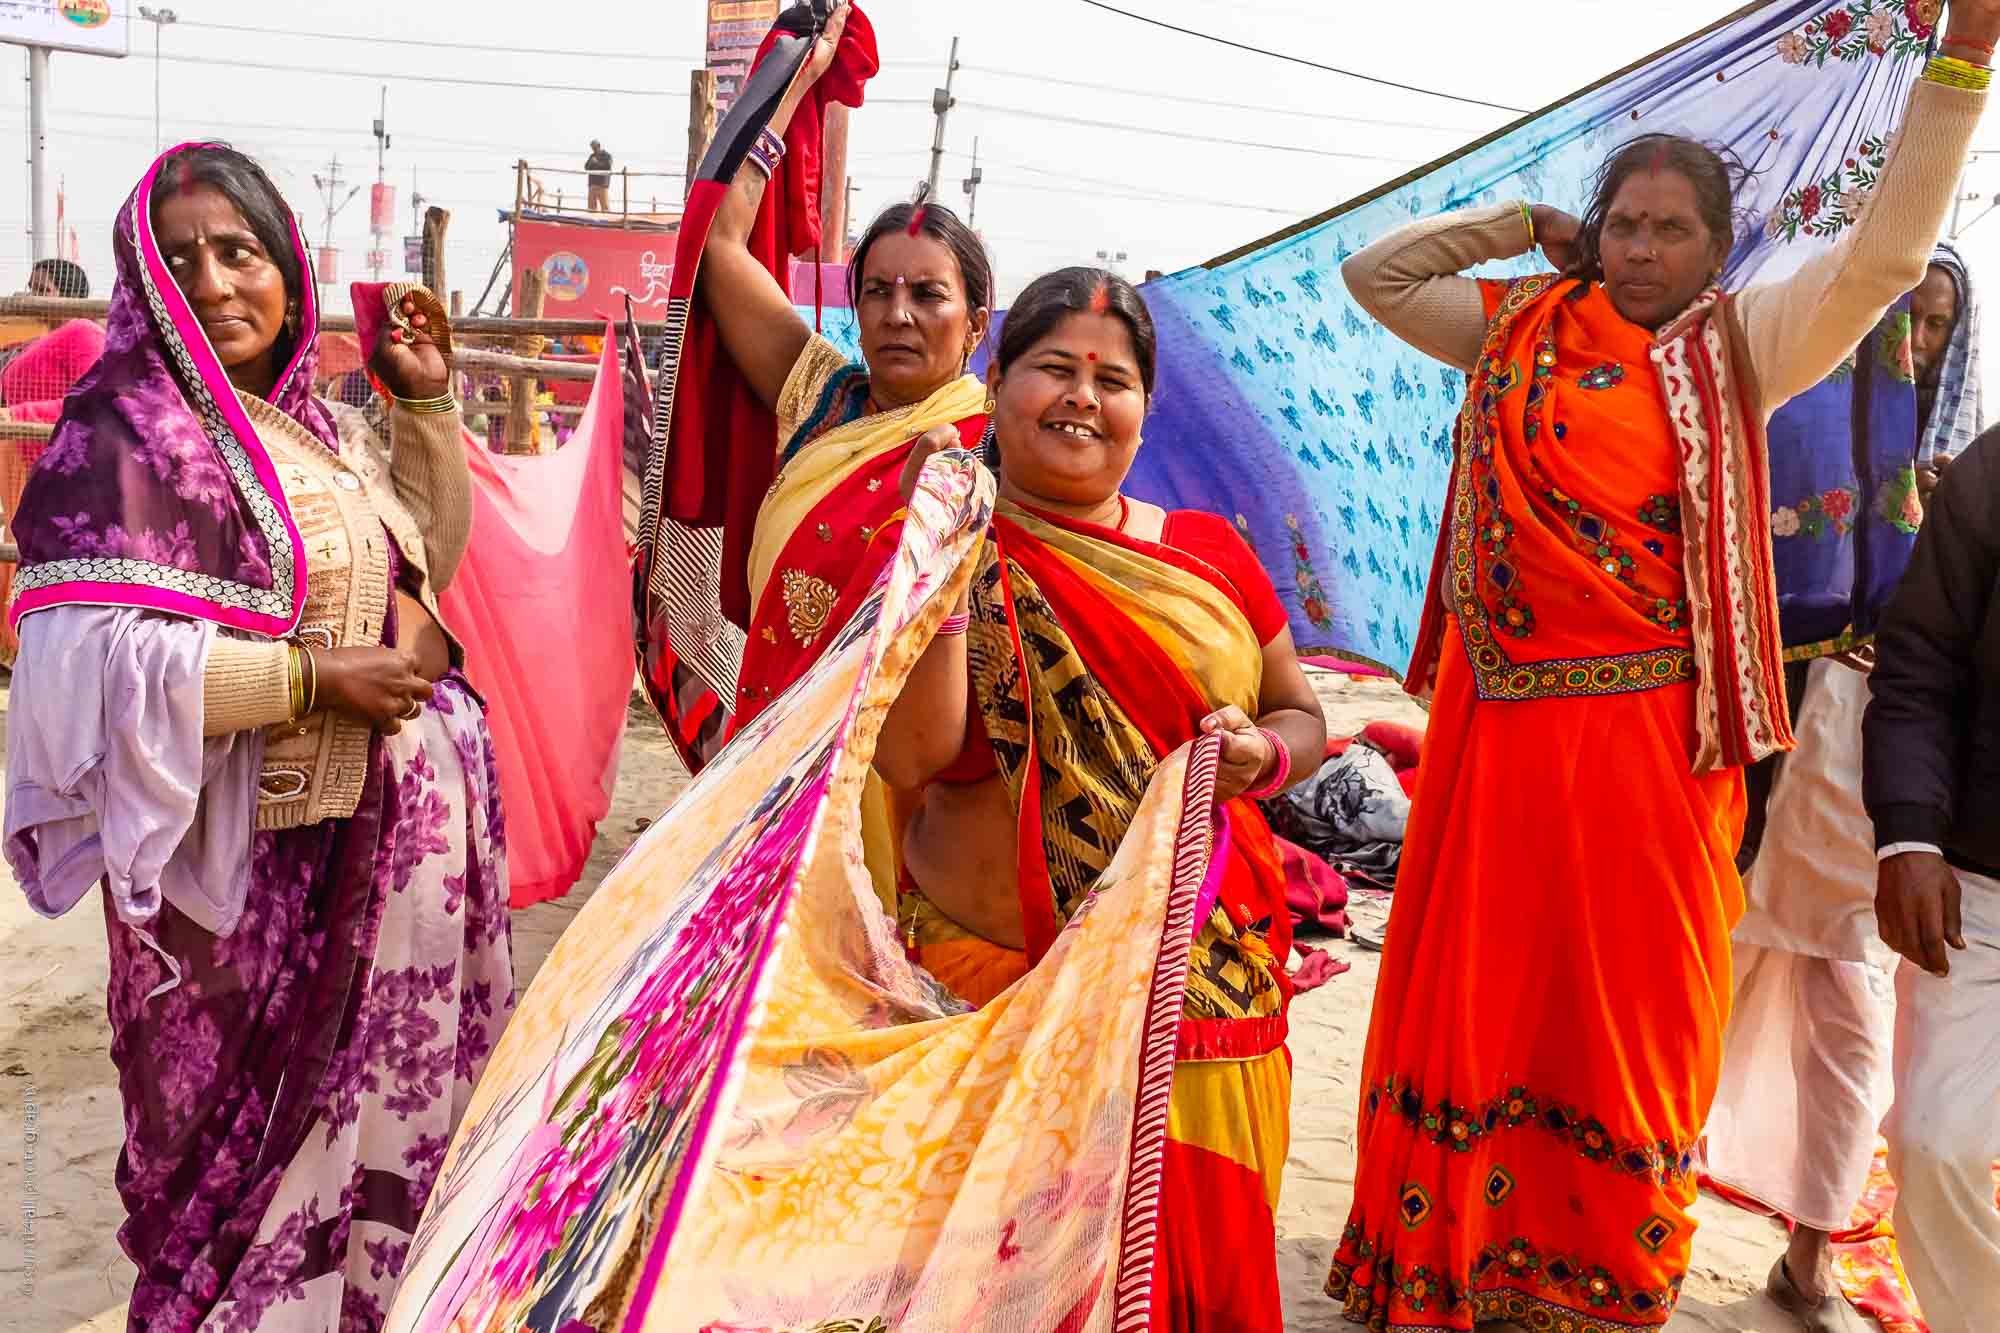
[941,105]
[329,191]
[972,185]
[380,208]
[417,202]
[159,18]
[40,242]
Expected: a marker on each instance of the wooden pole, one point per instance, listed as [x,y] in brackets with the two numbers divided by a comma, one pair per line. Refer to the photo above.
[437,222]
[457,305]
[833,187]
[474,358]
[522,435]
[59,308]
[701,119]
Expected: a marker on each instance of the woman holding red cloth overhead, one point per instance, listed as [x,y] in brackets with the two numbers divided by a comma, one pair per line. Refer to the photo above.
[1602,646]
[772,435]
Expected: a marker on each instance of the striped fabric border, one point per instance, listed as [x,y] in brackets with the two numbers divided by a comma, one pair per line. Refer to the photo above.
[1138,1238]
[652,487]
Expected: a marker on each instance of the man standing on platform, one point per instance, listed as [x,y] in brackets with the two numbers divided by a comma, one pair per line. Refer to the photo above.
[598,164]
[1931,761]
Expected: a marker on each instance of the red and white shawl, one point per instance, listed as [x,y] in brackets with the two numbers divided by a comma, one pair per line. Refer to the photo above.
[1709,389]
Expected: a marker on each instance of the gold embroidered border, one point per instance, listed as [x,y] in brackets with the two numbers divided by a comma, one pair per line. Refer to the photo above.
[1494,673]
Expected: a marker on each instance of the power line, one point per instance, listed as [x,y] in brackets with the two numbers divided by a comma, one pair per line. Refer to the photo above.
[1096,187]
[1180,134]
[436,45]
[378,76]
[1155,96]
[450,147]
[1300,60]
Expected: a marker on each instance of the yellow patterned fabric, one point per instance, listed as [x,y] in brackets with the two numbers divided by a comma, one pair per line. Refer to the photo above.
[730,1101]
[1094,760]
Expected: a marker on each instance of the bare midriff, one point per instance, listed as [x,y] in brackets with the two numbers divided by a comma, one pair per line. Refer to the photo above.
[960,849]
[418,632]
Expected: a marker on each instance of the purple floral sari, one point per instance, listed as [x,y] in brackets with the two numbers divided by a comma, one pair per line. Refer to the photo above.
[289,1098]
[288,1104]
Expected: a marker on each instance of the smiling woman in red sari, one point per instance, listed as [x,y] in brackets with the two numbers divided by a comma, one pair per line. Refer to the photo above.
[1100,634]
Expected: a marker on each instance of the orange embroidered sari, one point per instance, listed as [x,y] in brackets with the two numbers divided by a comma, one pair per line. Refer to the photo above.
[1547,1029]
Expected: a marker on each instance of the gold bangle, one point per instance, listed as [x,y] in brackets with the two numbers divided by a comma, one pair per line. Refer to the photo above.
[312,680]
[1952,72]
[1528,216]
[440,404]
[295,682]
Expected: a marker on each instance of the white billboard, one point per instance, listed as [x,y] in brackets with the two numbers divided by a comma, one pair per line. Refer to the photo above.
[95,27]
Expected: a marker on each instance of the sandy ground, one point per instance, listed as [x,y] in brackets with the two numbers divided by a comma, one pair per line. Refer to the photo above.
[61,1269]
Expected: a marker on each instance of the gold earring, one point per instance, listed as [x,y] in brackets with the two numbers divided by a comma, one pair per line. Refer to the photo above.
[992,405]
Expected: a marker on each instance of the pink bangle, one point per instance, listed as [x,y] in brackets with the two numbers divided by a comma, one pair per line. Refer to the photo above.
[951,625]
[1277,782]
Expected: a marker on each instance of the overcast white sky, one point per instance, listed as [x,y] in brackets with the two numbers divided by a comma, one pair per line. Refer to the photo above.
[1096,131]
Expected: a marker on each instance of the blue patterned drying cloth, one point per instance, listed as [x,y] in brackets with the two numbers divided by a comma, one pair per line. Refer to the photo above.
[1328,440]
[1844,492]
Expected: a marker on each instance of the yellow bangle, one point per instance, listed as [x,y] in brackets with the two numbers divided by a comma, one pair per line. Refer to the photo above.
[311,665]
[1955,73]
[1528,216]
[295,681]
[442,403]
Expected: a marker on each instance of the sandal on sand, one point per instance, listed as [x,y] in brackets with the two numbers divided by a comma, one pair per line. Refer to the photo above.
[1831,1314]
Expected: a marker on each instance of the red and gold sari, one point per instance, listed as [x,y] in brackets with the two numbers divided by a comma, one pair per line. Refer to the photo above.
[829,523]
[1094,656]
[1547,1030]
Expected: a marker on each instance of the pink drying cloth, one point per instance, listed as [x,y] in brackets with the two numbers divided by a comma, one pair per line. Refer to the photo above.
[1346,668]
[543,607]
[52,363]
[1316,968]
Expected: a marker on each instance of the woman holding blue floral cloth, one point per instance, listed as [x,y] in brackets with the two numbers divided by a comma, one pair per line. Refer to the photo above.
[236,707]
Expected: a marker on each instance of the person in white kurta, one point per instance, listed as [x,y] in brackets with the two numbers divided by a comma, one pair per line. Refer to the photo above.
[1806,1064]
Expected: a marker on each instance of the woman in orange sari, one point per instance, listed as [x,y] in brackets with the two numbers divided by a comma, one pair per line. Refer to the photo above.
[1099,635]
[1602,648]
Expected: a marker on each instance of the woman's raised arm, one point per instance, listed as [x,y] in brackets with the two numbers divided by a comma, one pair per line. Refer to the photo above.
[760,327]
[1409,280]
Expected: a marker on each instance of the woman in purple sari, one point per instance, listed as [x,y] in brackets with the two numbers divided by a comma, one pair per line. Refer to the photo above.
[237,708]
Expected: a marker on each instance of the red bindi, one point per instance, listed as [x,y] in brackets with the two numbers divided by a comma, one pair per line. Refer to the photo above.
[1090,356]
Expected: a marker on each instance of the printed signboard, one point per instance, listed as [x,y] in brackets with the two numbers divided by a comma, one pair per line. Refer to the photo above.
[93,27]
